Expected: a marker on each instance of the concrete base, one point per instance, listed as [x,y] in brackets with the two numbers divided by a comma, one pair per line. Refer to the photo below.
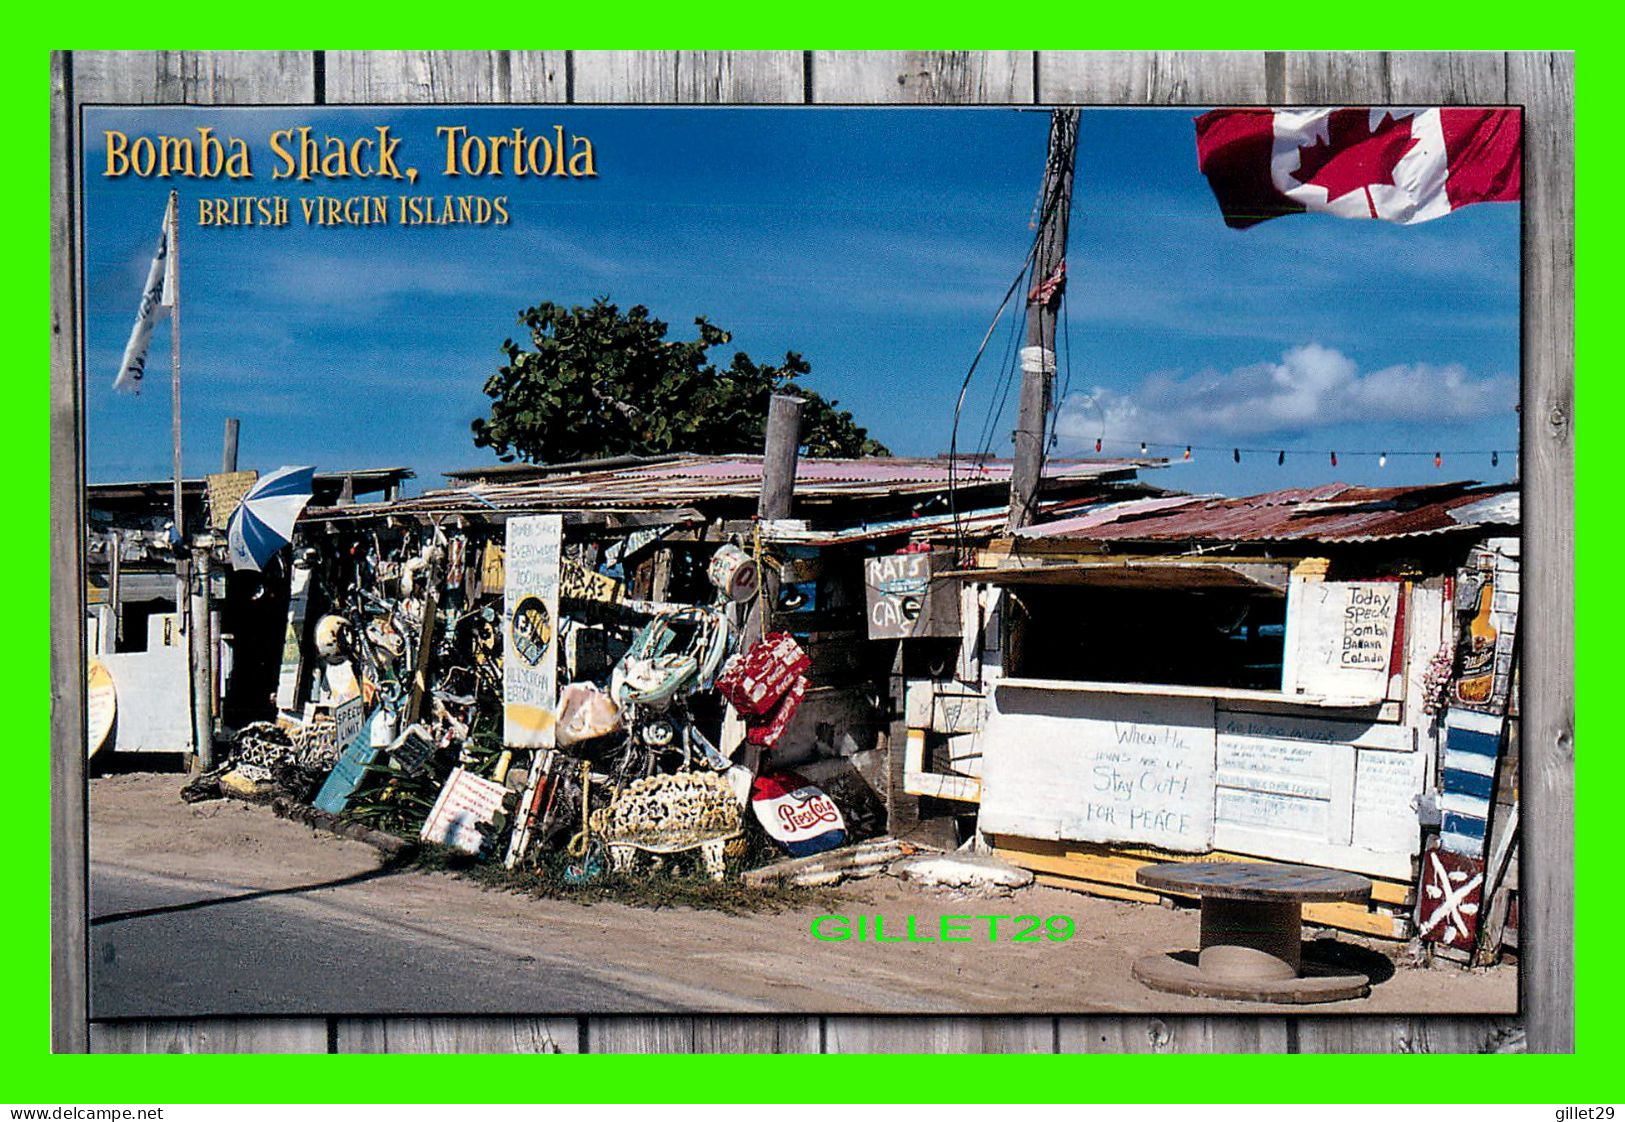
[1172,974]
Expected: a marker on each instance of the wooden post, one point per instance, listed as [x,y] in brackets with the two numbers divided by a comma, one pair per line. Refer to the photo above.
[172,293]
[114,590]
[779,453]
[228,463]
[70,902]
[228,457]
[781,447]
[202,665]
[420,668]
[902,808]
[1038,355]
[216,678]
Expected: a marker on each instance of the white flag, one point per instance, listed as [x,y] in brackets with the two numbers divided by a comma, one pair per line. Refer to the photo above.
[155,297]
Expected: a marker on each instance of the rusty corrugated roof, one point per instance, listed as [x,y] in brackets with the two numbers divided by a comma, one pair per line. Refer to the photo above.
[1333,512]
[678,482]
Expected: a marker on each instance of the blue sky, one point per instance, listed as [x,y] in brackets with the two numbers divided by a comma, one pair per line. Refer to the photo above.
[877,243]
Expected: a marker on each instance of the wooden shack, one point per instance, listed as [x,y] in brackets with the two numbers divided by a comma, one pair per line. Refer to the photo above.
[1189,678]
[642,531]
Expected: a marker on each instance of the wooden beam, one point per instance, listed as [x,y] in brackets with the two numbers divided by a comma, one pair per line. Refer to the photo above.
[689,77]
[445,76]
[1543,82]
[193,77]
[218,1035]
[70,966]
[440,1035]
[692,1035]
[923,77]
[1151,77]
[962,1035]
[1141,1035]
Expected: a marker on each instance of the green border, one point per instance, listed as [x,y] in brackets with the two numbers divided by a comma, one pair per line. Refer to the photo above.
[37,1078]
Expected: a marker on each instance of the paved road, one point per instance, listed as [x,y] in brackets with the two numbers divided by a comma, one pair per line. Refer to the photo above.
[165,946]
[222,908]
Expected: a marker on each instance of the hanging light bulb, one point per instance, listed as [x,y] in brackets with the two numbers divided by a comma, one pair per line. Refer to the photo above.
[1334,459]
[1235,454]
[1097,444]
[1438,459]
[1142,447]
[1495,459]
[1280,458]
[1187,451]
[1382,460]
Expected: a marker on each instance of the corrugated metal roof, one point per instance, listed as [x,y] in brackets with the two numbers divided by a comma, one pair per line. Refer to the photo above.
[1334,512]
[688,481]
[1103,514]
[130,487]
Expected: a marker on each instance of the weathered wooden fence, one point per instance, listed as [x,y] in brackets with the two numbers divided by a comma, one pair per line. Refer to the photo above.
[1542,82]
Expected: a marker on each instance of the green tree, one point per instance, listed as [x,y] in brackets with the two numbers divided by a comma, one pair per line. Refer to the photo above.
[596,382]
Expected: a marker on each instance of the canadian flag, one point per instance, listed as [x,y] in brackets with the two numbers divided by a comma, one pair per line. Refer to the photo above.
[1399,165]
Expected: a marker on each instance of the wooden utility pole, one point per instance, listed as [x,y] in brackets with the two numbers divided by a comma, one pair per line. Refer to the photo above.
[1043,300]
[200,659]
[780,450]
[228,455]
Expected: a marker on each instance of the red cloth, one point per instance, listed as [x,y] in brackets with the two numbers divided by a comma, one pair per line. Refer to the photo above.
[1399,165]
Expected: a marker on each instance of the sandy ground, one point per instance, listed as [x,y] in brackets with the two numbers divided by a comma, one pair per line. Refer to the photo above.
[305,906]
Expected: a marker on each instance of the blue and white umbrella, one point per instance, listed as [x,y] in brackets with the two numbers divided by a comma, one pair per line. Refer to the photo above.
[263,521]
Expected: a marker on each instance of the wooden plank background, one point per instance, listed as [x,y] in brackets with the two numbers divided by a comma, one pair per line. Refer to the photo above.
[1542,82]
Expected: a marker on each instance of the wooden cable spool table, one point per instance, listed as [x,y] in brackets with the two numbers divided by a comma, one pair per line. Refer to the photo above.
[1252,932]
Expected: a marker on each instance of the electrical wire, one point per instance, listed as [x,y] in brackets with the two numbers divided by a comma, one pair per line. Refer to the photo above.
[1279,449]
[1002,388]
[1050,205]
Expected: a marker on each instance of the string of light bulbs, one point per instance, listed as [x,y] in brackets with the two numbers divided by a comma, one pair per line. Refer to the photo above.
[1187,452]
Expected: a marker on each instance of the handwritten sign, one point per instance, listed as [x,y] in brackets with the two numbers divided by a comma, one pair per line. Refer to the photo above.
[1282,779]
[225,491]
[901,601]
[1387,787]
[1343,635]
[580,584]
[530,630]
[1060,763]
[1317,792]
[1272,812]
[1278,767]
[466,803]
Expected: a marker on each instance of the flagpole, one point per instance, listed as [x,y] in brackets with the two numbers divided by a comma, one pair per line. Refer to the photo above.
[173,285]
[191,602]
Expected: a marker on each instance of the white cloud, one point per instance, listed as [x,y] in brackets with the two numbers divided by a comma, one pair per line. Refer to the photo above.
[1311,387]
